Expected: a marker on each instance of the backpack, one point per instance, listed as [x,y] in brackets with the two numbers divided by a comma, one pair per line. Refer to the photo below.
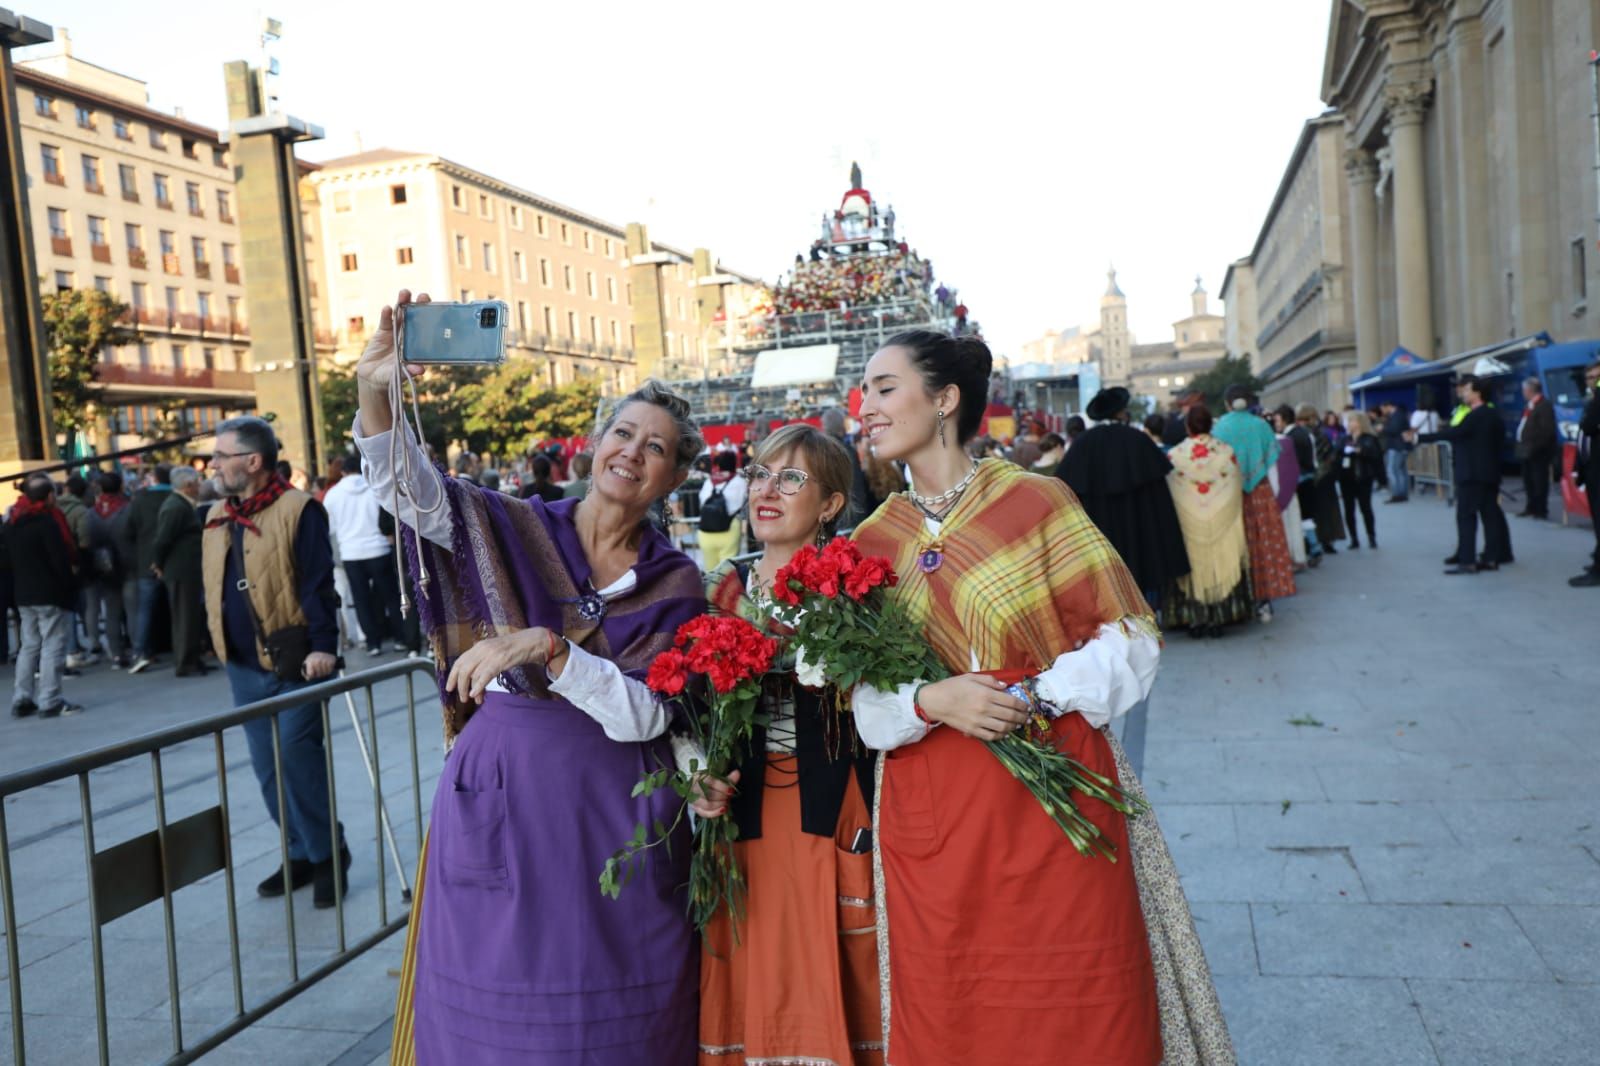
[714,514]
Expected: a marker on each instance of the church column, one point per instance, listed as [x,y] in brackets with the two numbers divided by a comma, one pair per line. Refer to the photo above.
[1362,171]
[1413,274]
[1481,292]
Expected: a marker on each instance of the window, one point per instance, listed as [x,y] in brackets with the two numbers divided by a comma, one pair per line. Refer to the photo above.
[204,305]
[209,357]
[397,194]
[169,242]
[616,332]
[680,307]
[608,247]
[466,296]
[515,211]
[544,272]
[233,309]
[158,139]
[192,192]
[572,324]
[567,277]
[611,289]
[485,206]
[44,106]
[566,234]
[91,174]
[63,281]
[219,156]
[140,297]
[588,281]
[58,224]
[357,326]
[224,205]
[180,355]
[541,226]
[347,261]
[198,246]
[163,191]
[188,149]
[457,200]
[229,256]
[549,321]
[588,241]
[1163,382]
[522,316]
[1178,380]
[594,329]
[97,231]
[85,117]
[402,255]
[519,266]
[488,258]
[461,250]
[128,179]
[120,127]
[341,201]
[1580,275]
[134,235]
[50,158]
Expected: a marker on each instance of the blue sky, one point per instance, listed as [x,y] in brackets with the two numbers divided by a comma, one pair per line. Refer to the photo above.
[1023,149]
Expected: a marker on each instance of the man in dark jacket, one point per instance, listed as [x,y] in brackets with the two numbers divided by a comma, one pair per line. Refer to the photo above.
[43,553]
[1475,451]
[105,569]
[177,564]
[1120,477]
[139,534]
[1588,471]
[1396,423]
[1537,441]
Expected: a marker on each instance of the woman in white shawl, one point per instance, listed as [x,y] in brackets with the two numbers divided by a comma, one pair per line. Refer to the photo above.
[1208,492]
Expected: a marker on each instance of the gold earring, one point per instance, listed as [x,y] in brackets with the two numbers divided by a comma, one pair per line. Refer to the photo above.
[822,534]
[941,428]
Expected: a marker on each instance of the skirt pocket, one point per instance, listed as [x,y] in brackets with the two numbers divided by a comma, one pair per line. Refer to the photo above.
[908,821]
[471,840]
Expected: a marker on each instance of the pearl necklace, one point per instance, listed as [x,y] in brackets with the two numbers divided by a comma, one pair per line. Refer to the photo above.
[927,503]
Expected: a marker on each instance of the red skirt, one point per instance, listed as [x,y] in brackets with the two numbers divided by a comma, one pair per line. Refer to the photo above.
[1006,945]
[1271,566]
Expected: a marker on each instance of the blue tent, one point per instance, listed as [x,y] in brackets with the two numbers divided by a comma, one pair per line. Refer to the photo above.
[1379,385]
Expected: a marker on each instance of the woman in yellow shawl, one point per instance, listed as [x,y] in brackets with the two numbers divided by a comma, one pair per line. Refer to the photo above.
[1002,943]
[1208,492]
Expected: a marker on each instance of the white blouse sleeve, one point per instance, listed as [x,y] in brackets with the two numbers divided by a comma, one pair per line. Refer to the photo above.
[625,708]
[1106,677]
[425,489]
[887,720]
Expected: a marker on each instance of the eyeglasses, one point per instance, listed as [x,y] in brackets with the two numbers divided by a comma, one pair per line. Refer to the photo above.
[790,480]
[214,456]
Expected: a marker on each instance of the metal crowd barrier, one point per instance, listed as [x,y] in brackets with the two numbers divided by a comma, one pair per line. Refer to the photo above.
[1433,464]
[130,875]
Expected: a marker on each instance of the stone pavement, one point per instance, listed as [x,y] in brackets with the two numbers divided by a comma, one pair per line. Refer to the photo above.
[1382,805]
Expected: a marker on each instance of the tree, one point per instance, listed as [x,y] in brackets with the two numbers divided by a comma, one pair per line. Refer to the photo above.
[79,324]
[1226,371]
[510,411]
[439,403]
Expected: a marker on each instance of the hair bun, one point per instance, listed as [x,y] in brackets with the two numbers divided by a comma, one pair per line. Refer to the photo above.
[973,352]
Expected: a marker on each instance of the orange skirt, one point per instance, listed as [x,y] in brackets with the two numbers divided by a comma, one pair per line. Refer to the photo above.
[1006,945]
[801,985]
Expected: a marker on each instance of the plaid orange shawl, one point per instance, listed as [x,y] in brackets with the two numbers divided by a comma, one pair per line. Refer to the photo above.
[1026,574]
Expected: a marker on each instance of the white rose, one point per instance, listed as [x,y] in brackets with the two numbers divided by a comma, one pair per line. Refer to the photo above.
[808,674]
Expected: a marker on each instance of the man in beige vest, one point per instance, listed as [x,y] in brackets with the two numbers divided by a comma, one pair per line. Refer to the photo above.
[267,562]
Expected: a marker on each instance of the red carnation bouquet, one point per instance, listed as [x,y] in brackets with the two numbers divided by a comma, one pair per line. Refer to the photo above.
[712,674]
[847,631]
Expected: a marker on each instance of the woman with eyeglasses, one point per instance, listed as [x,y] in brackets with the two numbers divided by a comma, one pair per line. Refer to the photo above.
[799,981]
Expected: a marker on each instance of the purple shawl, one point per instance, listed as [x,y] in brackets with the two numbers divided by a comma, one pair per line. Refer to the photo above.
[515,564]
[1288,472]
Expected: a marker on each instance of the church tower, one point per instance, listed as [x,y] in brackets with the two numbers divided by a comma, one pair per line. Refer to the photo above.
[1116,346]
[1198,297]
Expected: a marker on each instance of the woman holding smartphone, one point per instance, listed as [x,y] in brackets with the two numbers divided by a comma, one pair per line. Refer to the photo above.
[543,618]
[1003,943]
[800,982]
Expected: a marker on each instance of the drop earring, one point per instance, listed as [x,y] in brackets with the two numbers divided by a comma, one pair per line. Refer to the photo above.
[941,429]
[822,534]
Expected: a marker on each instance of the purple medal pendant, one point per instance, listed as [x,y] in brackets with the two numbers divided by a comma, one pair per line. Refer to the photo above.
[931,558]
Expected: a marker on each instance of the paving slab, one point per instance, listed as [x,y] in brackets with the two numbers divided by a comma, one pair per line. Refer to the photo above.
[1324,1021]
[1228,937]
[1344,824]
[1509,873]
[1495,1023]
[1567,938]
[1392,940]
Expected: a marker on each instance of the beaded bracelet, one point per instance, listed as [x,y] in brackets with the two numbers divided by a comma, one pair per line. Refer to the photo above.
[916,705]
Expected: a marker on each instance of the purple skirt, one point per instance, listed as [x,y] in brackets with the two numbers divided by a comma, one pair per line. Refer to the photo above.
[520,959]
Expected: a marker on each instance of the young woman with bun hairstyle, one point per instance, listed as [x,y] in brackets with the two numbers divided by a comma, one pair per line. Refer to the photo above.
[1002,943]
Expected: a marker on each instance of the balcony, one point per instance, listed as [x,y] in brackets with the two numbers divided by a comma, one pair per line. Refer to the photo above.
[112,374]
[55,178]
[137,258]
[170,264]
[225,218]
[61,245]
[94,187]
[202,269]
[147,316]
[188,320]
[230,273]
[210,324]
[326,339]
[130,195]
[238,329]
[100,252]
[163,203]
[196,211]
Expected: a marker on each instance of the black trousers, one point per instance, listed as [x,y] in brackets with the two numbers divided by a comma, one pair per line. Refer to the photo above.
[1536,481]
[375,586]
[186,600]
[1591,488]
[1358,492]
[1475,501]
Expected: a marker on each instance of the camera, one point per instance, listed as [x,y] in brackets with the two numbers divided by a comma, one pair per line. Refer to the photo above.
[489,318]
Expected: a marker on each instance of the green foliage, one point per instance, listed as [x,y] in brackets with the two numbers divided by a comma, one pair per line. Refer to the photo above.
[78,324]
[1226,371]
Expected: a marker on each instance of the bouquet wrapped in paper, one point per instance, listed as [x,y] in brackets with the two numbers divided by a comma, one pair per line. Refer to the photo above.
[848,631]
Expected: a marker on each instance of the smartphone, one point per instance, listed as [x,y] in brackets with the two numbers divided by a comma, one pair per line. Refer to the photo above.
[862,843]
[454,333]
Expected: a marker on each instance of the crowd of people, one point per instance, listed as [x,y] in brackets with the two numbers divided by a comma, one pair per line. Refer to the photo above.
[841,282]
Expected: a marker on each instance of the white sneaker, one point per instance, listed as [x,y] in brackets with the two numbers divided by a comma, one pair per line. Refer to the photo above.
[141,663]
[1264,613]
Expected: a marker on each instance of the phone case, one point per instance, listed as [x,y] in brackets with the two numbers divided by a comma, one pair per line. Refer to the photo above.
[453,333]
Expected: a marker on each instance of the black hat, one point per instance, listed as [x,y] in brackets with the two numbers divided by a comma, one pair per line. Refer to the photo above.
[1108,403]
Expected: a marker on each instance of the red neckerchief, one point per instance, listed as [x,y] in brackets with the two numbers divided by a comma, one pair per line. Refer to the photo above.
[26,508]
[237,510]
[107,504]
